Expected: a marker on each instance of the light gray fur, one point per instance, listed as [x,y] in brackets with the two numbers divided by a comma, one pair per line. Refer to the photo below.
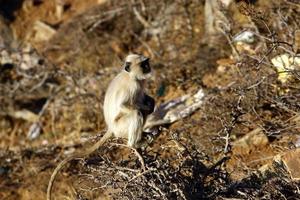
[122,101]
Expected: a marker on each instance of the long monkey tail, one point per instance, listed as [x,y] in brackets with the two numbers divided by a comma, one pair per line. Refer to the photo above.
[90,150]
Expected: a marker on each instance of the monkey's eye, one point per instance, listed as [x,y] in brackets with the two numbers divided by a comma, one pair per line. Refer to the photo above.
[127,66]
[145,66]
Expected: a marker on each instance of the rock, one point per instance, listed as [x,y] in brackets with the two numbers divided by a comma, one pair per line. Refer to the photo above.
[291,160]
[28,58]
[284,64]
[5,58]
[251,140]
[226,2]
[34,131]
[41,32]
[245,36]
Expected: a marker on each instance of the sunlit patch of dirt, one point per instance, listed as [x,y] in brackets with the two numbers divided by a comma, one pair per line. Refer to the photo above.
[53,13]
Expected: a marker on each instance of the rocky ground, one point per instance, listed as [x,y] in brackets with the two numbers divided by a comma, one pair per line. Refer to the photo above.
[57,58]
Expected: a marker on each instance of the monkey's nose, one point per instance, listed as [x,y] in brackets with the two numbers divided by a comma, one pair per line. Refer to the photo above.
[146,69]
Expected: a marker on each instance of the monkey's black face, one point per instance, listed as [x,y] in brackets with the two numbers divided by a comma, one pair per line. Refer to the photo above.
[146,66]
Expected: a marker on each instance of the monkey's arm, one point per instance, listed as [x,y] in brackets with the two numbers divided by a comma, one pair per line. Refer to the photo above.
[90,150]
[145,105]
[124,110]
[127,107]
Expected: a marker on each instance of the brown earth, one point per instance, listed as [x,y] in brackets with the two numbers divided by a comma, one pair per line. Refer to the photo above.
[225,150]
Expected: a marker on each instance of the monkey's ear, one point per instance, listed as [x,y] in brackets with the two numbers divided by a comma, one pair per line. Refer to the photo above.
[127,66]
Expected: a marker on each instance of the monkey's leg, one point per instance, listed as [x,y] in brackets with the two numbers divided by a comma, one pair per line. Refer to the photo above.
[135,127]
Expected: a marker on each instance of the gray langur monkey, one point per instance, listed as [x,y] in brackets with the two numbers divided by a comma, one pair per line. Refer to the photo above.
[126,107]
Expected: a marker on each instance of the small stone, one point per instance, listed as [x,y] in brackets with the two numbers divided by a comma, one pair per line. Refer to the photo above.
[5,57]
[4,170]
[245,37]
[297,142]
[226,2]
[34,131]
